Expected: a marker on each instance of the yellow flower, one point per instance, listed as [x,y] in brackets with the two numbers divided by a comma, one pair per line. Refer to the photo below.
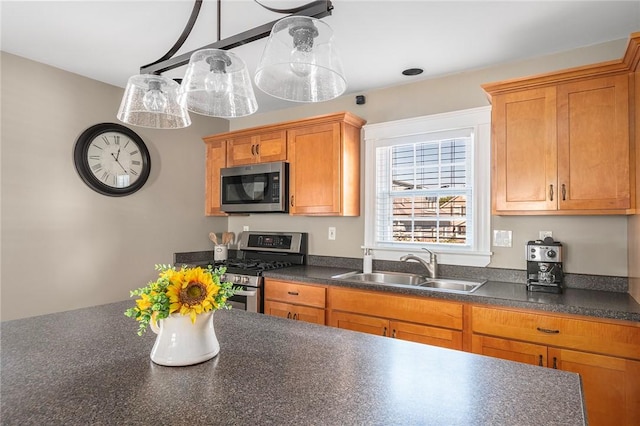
[191,292]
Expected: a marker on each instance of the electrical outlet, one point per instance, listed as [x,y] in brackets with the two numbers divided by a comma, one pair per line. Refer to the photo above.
[245,228]
[502,238]
[544,234]
[332,232]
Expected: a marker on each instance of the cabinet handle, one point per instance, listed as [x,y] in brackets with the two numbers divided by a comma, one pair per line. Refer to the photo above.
[295,316]
[253,150]
[551,192]
[258,149]
[293,293]
[540,361]
[292,201]
[564,192]
[393,333]
[555,363]
[548,331]
[384,331]
[288,315]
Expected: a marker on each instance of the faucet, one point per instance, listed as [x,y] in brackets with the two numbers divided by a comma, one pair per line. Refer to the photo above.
[432,265]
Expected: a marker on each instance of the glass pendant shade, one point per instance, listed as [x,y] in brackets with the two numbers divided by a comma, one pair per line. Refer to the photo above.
[217,84]
[152,101]
[300,62]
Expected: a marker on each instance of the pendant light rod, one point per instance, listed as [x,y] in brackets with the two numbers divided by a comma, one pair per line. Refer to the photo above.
[185,33]
[317,9]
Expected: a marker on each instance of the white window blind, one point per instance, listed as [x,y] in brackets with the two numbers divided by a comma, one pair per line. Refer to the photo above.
[423,188]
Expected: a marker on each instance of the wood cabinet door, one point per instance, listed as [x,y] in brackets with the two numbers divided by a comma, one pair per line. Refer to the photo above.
[361,323]
[216,153]
[278,309]
[524,159]
[241,151]
[315,170]
[528,353]
[593,144]
[433,336]
[611,385]
[271,146]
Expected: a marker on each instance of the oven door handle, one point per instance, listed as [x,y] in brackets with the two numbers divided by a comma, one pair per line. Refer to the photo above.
[246,293]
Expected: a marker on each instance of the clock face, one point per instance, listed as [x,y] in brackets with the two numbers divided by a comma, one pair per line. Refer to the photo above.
[112,159]
[115,159]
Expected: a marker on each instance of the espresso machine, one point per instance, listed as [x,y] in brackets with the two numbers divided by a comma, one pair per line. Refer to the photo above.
[544,266]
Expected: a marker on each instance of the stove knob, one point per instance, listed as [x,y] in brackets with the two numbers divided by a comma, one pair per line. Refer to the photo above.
[236,279]
[551,254]
[245,280]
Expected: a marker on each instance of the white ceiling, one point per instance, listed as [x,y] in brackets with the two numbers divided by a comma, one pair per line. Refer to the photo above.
[109,40]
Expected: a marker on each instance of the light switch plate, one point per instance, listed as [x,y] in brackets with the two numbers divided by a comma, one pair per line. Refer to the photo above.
[501,238]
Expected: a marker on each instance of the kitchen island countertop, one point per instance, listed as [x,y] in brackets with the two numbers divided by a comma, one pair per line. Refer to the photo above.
[87,366]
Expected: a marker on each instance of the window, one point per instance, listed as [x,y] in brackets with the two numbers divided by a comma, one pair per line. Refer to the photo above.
[427,185]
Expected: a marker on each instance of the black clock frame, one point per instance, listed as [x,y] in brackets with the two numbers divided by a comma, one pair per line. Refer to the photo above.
[82,164]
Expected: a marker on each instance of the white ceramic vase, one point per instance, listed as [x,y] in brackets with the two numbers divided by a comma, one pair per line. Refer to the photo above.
[180,342]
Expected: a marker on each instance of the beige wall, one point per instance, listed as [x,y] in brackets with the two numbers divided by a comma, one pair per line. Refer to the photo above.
[65,246]
[594,245]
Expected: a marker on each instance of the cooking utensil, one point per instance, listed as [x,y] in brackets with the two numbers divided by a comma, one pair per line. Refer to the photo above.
[213,237]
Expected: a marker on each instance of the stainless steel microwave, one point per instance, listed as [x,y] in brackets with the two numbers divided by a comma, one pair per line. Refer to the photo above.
[255,188]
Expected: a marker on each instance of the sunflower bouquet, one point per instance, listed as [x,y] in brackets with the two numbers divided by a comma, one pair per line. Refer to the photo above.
[188,291]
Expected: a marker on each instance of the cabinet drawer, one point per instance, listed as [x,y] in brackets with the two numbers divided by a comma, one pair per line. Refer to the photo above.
[591,336]
[412,309]
[294,312]
[299,294]
[433,336]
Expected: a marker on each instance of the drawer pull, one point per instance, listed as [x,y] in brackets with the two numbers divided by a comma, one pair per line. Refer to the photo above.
[540,361]
[288,315]
[393,333]
[295,316]
[564,193]
[548,331]
[555,363]
[384,331]
[293,293]
[551,191]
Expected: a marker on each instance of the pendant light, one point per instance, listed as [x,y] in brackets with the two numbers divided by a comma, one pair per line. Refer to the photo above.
[300,62]
[152,101]
[217,84]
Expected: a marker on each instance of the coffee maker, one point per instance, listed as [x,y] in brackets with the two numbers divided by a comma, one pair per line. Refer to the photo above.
[544,266]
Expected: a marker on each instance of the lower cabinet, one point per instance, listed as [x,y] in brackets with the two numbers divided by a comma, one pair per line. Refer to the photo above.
[408,318]
[610,379]
[296,301]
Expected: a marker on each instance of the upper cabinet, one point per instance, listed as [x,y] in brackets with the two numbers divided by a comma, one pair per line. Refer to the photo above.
[562,142]
[324,161]
[260,148]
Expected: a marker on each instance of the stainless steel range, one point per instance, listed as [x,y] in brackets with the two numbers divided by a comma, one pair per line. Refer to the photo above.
[259,252]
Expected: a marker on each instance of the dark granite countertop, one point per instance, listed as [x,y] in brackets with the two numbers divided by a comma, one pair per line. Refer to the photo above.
[595,303]
[88,366]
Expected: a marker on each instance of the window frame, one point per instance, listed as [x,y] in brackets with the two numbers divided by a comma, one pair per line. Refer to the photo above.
[380,134]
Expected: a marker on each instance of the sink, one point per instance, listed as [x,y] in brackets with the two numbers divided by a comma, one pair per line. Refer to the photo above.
[401,279]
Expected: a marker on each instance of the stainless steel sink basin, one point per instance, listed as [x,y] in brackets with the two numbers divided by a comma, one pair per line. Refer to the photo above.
[401,279]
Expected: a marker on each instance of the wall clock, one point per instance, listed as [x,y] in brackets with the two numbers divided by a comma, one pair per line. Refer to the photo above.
[112,159]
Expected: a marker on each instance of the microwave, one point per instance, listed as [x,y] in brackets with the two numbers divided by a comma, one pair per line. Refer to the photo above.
[255,188]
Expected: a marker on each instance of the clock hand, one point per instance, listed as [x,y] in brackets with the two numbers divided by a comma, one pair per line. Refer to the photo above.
[118,154]
[116,158]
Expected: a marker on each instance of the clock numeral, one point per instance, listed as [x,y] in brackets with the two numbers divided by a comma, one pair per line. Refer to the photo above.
[133,172]
[105,176]
[94,157]
[106,140]
[135,163]
[96,146]
[117,139]
[96,167]
[134,152]
[125,145]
